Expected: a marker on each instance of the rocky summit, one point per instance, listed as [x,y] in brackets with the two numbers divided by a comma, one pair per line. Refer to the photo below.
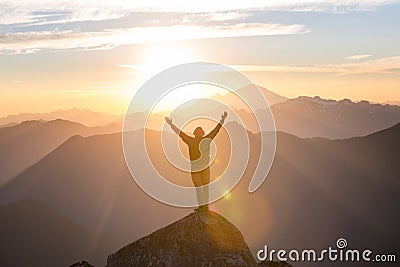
[199,239]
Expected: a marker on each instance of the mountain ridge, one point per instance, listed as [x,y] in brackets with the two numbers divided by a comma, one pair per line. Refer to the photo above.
[84,116]
[342,179]
[31,225]
[26,143]
[303,116]
[317,117]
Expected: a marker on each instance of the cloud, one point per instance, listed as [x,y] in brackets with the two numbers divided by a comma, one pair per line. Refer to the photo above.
[42,12]
[225,16]
[33,12]
[30,42]
[134,67]
[357,57]
[96,91]
[215,17]
[287,68]
[382,65]
[258,68]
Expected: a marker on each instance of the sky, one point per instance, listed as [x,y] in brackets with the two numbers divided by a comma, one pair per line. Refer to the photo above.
[96,54]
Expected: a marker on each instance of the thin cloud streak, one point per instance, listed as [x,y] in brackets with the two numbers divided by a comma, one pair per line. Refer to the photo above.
[383,65]
[22,11]
[357,57]
[290,68]
[30,42]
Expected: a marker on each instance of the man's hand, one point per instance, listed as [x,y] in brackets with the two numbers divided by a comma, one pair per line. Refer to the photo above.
[223,116]
[168,120]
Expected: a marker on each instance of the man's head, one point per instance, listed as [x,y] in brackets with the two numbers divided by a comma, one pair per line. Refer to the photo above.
[198,132]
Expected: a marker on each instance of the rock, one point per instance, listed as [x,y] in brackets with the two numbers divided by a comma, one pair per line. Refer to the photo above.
[199,239]
[81,264]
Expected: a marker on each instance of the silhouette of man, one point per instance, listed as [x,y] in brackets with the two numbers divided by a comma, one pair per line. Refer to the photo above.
[199,153]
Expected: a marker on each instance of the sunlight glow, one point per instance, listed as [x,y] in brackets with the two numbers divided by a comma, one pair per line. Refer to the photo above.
[186,93]
[159,57]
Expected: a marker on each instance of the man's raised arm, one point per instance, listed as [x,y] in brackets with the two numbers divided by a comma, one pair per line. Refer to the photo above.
[215,131]
[184,136]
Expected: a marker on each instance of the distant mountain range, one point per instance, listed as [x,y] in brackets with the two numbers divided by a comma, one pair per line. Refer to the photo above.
[317,117]
[397,103]
[302,116]
[24,144]
[246,91]
[317,191]
[83,116]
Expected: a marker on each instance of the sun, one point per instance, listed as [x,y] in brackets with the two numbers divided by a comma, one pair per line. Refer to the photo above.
[158,57]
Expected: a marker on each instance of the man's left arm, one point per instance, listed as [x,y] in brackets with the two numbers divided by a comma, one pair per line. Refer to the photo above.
[216,129]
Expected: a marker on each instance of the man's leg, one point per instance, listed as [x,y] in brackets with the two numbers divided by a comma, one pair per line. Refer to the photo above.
[196,179]
[205,180]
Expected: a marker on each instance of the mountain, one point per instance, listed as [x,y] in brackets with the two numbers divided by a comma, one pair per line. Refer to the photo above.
[270,96]
[32,234]
[8,125]
[397,103]
[208,111]
[92,188]
[26,143]
[199,239]
[317,191]
[83,116]
[317,117]
[304,116]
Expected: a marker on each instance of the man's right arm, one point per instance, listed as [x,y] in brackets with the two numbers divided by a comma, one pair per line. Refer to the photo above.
[181,134]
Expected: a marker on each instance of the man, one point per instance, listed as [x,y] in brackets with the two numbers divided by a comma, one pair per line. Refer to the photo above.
[199,153]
